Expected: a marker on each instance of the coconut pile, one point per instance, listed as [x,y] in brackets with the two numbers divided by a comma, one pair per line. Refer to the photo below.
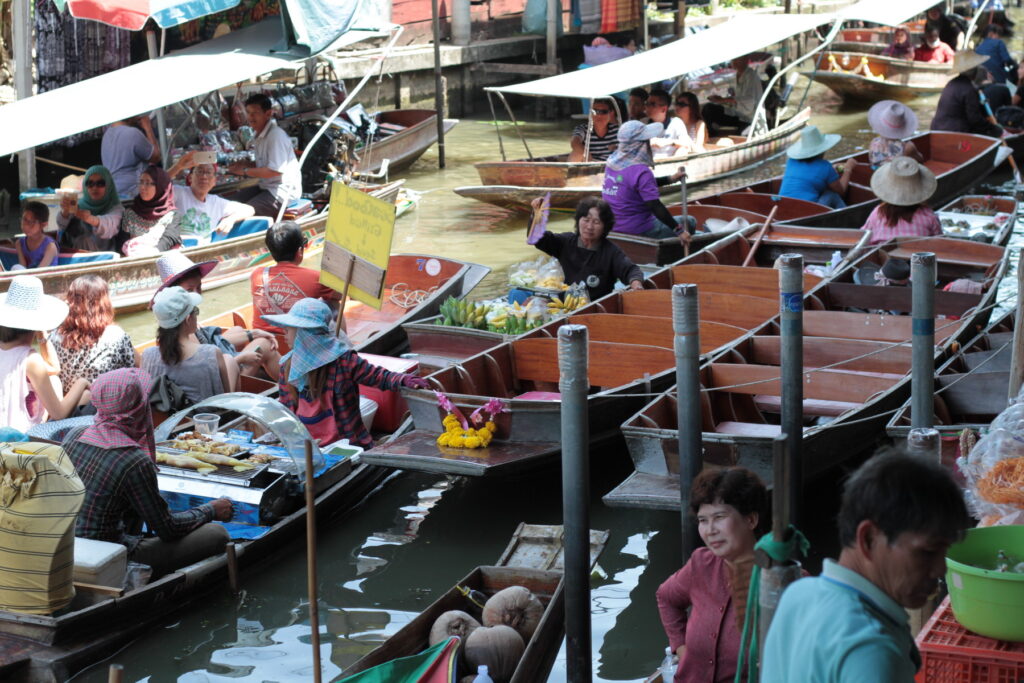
[509,618]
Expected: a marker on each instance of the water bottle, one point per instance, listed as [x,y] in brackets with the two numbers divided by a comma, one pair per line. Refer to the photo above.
[482,676]
[668,666]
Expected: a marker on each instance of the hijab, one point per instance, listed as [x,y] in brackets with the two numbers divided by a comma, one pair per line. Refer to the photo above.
[162,203]
[123,420]
[108,201]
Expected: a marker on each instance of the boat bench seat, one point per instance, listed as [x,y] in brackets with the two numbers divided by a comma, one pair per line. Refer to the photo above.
[748,429]
[812,406]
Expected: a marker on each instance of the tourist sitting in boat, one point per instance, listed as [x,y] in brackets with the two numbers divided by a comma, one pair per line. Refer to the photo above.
[739,109]
[29,390]
[127,148]
[658,107]
[637,104]
[586,254]
[898,516]
[255,351]
[92,222]
[949,29]
[151,224]
[200,370]
[904,186]
[702,606]
[203,214]
[88,343]
[900,47]
[809,176]
[275,289]
[994,48]
[932,50]
[35,249]
[115,457]
[603,134]
[959,107]
[320,376]
[686,132]
[893,121]
[631,189]
[276,165]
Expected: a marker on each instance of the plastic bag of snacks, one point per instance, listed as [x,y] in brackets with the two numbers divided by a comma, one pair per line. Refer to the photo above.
[542,273]
[994,471]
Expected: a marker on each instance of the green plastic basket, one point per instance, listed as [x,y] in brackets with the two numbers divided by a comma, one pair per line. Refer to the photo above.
[985,601]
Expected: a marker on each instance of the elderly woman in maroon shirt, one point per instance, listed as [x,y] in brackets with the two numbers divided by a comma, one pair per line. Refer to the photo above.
[729,505]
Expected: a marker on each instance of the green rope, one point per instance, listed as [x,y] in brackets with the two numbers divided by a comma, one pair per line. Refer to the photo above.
[779,551]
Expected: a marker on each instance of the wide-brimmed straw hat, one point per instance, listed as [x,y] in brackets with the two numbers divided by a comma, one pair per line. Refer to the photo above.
[892,119]
[24,306]
[812,142]
[635,131]
[174,266]
[965,60]
[903,182]
[305,313]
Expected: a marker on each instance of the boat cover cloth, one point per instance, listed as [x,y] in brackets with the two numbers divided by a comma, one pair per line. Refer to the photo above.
[436,664]
[718,44]
[148,85]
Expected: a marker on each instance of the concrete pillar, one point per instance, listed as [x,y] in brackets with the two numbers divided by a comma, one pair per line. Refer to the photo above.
[461,24]
[23,81]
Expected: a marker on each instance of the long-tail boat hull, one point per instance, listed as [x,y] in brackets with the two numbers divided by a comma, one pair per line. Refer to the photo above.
[859,76]
[406,146]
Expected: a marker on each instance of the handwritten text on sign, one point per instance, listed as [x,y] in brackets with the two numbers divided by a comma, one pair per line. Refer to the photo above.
[362,226]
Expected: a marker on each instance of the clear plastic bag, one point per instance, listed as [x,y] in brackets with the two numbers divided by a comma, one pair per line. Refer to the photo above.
[989,492]
[543,272]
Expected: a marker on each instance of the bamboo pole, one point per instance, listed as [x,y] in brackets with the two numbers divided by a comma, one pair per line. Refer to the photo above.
[314,607]
[438,89]
[760,236]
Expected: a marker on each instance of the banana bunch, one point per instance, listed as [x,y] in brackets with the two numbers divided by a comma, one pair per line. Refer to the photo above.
[459,313]
[515,320]
[552,282]
[567,304]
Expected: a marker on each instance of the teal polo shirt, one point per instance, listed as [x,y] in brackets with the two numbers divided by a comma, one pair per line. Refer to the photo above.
[838,627]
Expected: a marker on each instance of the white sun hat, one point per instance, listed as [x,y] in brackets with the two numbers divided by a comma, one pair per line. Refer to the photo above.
[24,306]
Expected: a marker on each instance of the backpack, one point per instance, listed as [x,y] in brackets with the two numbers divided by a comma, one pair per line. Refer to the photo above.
[166,396]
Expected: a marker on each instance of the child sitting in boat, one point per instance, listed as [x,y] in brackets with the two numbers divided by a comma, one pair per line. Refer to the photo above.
[900,47]
[35,249]
[320,376]
[893,121]
[904,186]
[808,176]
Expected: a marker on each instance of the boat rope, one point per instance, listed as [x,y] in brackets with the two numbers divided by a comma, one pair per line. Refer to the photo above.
[781,552]
[404,297]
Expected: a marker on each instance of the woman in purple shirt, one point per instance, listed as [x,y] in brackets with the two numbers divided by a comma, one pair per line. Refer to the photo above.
[702,605]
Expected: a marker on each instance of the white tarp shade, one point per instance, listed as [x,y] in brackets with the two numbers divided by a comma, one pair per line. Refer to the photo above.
[146,86]
[888,12]
[718,44]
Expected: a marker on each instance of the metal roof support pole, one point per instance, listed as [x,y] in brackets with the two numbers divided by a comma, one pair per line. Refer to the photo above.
[438,81]
[922,394]
[515,123]
[161,121]
[686,343]
[1017,357]
[791,320]
[574,383]
[497,126]
[23,34]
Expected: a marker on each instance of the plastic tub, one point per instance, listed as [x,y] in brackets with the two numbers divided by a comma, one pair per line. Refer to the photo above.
[206,423]
[985,601]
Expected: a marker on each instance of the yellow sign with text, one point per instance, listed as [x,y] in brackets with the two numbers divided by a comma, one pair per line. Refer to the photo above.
[358,244]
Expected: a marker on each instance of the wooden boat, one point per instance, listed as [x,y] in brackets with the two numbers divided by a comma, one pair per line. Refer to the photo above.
[533,559]
[44,649]
[415,131]
[859,76]
[420,280]
[981,217]
[874,40]
[857,362]
[959,161]
[133,281]
[970,390]
[514,184]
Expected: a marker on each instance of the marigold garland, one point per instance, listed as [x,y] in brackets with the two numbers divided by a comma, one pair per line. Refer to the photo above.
[455,436]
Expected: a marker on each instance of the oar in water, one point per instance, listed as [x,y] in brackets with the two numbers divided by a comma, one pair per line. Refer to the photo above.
[760,236]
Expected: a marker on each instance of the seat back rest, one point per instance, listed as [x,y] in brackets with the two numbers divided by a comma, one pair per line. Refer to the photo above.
[652,331]
[736,279]
[879,327]
[821,351]
[827,385]
[608,365]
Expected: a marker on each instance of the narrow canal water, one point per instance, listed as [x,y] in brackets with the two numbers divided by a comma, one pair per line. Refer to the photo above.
[419,534]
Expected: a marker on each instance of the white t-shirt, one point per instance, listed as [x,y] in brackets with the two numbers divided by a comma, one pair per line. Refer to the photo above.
[200,218]
[273,149]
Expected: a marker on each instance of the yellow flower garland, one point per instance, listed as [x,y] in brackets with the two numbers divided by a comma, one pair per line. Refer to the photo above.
[456,437]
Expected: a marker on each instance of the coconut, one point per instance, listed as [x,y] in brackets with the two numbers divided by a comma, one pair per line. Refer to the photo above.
[452,623]
[516,607]
[499,647]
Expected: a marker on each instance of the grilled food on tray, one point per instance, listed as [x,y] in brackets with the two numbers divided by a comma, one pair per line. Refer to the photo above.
[205,446]
[184,462]
[217,459]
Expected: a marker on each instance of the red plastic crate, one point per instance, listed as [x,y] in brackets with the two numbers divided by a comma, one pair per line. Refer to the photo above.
[950,653]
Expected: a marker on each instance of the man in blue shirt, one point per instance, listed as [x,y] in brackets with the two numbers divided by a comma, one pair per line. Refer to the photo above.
[994,48]
[899,515]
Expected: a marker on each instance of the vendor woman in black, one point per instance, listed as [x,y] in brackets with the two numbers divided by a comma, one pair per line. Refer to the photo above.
[586,255]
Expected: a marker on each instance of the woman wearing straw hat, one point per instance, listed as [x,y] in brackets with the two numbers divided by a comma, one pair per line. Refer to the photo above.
[904,186]
[30,392]
[893,121]
[959,107]
[808,176]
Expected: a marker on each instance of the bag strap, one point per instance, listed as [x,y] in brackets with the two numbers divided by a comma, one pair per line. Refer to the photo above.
[266,292]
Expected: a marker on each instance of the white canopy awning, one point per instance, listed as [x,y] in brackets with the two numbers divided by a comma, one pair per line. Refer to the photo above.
[734,38]
[888,12]
[148,85]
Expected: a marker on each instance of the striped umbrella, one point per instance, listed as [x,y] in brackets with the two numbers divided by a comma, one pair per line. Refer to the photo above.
[133,14]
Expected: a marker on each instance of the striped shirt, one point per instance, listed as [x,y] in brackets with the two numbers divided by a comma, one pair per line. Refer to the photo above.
[924,223]
[121,492]
[600,146]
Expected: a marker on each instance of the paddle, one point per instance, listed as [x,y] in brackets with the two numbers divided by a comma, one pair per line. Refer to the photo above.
[760,236]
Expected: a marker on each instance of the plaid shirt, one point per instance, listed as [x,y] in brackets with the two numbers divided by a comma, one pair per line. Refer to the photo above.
[343,379]
[121,492]
[924,223]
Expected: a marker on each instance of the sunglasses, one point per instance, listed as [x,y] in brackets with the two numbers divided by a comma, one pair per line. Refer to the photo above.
[653,104]
[600,112]
[682,104]
[96,183]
